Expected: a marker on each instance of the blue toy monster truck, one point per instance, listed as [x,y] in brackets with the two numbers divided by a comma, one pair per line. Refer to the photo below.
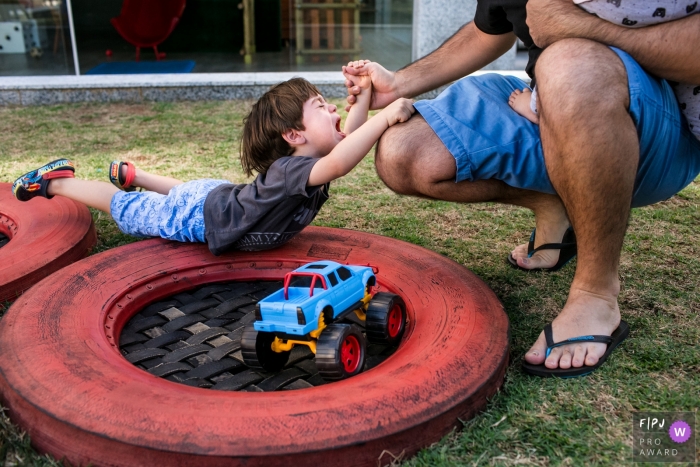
[308,311]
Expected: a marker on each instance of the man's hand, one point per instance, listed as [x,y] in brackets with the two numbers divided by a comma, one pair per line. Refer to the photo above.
[360,74]
[553,20]
[398,111]
[383,84]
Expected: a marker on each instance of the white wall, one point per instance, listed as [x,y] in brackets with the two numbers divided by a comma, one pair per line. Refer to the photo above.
[436,20]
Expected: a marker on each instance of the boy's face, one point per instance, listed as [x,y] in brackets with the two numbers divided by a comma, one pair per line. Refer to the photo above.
[322,125]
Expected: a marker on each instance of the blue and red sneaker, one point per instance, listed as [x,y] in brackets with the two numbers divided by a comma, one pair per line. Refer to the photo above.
[36,182]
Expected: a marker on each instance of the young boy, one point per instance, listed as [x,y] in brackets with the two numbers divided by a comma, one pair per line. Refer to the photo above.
[291,137]
[631,14]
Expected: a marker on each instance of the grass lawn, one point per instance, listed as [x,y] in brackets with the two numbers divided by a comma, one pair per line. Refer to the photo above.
[530,421]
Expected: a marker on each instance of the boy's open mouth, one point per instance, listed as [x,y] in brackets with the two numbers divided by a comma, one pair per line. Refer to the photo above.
[337,128]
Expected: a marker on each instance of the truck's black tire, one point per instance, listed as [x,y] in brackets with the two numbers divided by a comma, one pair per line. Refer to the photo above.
[386,319]
[256,349]
[340,352]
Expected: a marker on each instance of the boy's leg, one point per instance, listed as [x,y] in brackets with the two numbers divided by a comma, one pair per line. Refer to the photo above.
[138,214]
[178,216]
[95,194]
[521,102]
[152,182]
[131,176]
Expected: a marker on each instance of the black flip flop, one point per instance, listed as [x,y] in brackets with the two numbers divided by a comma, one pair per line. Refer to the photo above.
[619,335]
[567,251]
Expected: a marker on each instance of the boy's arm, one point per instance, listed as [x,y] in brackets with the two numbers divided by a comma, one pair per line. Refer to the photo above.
[349,152]
[357,115]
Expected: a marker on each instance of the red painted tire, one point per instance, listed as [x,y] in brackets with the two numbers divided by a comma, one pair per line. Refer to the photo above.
[65,382]
[45,235]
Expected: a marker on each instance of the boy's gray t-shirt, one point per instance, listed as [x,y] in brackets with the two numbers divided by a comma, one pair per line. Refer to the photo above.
[266,213]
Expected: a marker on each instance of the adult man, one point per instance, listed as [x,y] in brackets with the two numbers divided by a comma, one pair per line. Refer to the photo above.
[590,125]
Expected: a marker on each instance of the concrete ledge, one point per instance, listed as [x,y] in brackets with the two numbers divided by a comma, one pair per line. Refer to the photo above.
[48,90]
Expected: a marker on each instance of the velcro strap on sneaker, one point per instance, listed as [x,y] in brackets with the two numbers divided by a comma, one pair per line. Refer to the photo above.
[130,174]
[58,174]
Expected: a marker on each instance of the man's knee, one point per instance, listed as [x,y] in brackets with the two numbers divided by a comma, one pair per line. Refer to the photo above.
[410,158]
[575,74]
[393,157]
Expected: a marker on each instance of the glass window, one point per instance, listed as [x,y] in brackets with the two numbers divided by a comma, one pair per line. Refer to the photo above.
[344,273]
[334,280]
[323,36]
[209,36]
[35,38]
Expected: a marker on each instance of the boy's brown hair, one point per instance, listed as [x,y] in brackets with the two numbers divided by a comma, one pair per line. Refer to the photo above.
[279,110]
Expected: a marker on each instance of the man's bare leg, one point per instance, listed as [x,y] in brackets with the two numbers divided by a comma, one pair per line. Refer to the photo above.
[411,160]
[592,152]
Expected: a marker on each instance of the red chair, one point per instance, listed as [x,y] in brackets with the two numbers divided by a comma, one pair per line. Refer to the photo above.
[147,23]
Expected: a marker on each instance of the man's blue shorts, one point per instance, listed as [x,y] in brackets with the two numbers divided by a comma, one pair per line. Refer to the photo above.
[490,141]
[178,216]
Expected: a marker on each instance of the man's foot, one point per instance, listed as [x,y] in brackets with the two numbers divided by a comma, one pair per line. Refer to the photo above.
[520,102]
[551,226]
[566,247]
[36,182]
[585,313]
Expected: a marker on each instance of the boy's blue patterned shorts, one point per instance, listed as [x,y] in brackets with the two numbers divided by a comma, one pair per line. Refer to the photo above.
[178,216]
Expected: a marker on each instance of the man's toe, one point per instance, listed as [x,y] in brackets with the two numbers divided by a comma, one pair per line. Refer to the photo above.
[593,354]
[554,357]
[540,260]
[565,360]
[536,354]
[532,262]
[518,252]
[579,356]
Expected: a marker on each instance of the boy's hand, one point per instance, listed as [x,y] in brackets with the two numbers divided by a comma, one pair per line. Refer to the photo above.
[399,111]
[360,72]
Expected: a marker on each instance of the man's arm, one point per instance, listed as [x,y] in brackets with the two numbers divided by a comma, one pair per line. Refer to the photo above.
[668,50]
[467,51]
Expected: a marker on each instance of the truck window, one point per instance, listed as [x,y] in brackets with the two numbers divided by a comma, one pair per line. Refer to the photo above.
[333,279]
[344,273]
